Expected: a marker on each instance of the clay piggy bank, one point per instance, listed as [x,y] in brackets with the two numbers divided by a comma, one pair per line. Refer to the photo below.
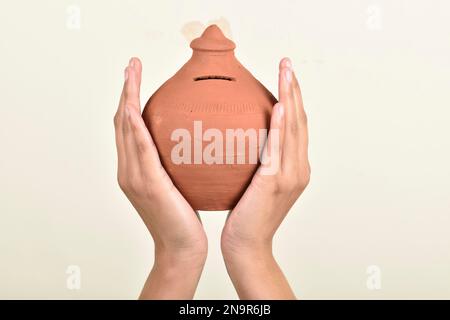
[209,122]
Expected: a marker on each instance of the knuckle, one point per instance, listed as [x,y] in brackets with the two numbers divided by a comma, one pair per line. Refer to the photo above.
[275,187]
[304,117]
[142,146]
[304,177]
[296,84]
[123,183]
[280,186]
[135,185]
[293,182]
[142,143]
[303,181]
[130,186]
[134,126]
[293,128]
[116,119]
[131,103]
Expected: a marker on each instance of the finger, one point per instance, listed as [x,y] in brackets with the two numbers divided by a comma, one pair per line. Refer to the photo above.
[146,150]
[131,87]
[120,146]
[272,153]
[133,169]
[119,134]
[136,64]
[286,93]
[286,97]
[301,118]
[298,100]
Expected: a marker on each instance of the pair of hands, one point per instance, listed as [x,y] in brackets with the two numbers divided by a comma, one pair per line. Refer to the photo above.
[180,241]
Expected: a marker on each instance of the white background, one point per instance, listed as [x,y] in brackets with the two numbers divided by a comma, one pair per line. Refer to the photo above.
[375,77]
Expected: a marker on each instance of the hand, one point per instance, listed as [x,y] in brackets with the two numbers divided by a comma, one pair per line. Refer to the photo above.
[180,241]
[250,227]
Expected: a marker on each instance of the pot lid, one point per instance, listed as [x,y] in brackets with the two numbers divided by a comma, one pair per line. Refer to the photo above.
[212,39]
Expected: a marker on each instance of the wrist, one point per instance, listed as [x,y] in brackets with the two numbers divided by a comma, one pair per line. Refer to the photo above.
[175,274]
[247,255]
[254,271]
[179,258]
[236,247]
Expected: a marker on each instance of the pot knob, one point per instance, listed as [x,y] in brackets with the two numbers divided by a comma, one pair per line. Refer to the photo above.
[212,39]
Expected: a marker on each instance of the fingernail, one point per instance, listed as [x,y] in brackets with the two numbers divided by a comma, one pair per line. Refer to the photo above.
[288,63]
[125,74]
[131,62]
[288,75]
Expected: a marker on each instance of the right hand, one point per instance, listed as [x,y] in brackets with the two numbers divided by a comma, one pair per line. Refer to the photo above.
[249,230]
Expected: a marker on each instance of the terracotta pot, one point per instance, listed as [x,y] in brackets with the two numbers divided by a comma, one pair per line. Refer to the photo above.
[217,92]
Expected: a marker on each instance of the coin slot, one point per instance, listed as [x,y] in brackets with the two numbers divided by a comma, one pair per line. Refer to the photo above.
[214,77]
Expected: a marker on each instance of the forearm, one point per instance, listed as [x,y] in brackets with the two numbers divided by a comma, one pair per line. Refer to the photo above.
[256,275]
[173,276]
